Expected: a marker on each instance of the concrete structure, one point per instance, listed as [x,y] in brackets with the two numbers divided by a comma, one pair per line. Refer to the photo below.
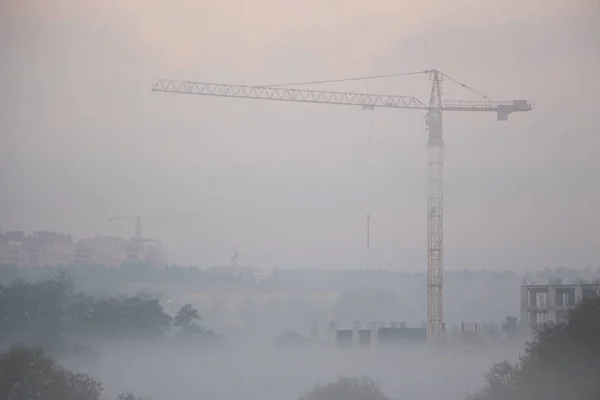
[551,302]
[373,334]
[104,250]
[37,250]
[50,248]
[147,250]
[12,249]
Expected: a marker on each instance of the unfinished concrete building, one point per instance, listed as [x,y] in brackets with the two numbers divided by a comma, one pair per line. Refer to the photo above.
[50,248]
[369,335]
[104,250]
[114,251]
[551,302]
[150,251]
[40,249]
[12,249]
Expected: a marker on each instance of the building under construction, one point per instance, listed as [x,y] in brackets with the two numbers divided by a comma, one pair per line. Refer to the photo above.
[373,334]
[552,302]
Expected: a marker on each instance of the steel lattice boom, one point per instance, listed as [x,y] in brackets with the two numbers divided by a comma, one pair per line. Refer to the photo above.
[435,146]
[287,94]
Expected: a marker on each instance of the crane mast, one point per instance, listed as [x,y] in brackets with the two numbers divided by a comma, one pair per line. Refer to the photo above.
[435,149]
[435,210]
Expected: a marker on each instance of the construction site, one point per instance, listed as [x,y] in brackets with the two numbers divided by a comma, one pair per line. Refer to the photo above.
[434,108]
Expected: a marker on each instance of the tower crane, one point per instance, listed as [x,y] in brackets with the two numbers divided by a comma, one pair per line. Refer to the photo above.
[435,146]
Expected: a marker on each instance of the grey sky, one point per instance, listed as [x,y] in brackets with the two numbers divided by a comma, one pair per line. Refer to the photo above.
[82,137]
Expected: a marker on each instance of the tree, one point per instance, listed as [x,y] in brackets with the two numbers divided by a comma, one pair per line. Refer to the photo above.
[185,321]
[35,312]
[48,313]
[186,316]
[511,327]
[347,388]
[562,362]
[510,324]
[28,374]
[499,383]
[144,317]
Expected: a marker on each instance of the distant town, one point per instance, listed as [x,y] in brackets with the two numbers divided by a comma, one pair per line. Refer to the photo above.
[46,248]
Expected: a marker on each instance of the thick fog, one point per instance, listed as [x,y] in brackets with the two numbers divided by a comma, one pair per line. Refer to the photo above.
[288,186]
[258,371]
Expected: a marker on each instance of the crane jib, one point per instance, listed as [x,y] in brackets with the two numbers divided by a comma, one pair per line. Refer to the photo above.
[288,94]
[365,100]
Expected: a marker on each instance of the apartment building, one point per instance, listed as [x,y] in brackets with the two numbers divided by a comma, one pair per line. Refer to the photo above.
[105,250]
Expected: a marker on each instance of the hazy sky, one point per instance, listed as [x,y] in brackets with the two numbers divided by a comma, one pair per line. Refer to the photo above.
[83,138]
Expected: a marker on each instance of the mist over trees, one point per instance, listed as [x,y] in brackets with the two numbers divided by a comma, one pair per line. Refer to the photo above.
[52,314]
[470,296]
[562,361]
[29,374]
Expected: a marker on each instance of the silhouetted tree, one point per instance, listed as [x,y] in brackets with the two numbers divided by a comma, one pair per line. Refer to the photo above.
[511,327]
[46,313]
[186,317]
[186,323]
[28,374]
[562,362]
[35,312]
[510,324]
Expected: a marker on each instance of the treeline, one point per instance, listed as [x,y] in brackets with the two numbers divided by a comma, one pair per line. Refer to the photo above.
[52,314]
[92,277]
[95,275]
[29,374]
[562,362]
